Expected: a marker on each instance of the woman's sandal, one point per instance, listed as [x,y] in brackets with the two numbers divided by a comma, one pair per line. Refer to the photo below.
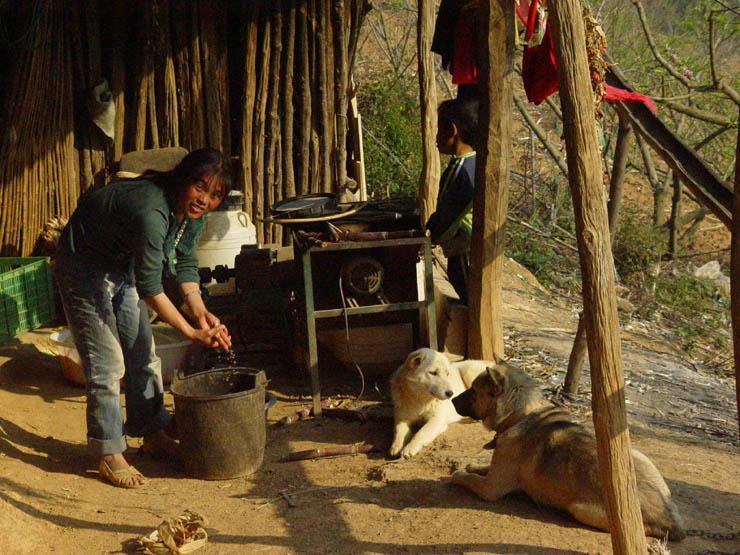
[122,478]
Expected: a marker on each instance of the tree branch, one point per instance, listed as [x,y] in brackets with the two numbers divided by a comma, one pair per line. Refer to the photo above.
[703,115]
[551,149]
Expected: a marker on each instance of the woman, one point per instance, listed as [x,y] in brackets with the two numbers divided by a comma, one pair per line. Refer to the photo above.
[119,245]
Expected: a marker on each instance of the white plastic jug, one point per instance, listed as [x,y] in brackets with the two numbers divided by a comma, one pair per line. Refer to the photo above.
[224,232]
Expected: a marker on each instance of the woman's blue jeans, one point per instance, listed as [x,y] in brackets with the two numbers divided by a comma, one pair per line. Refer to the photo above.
[113,336]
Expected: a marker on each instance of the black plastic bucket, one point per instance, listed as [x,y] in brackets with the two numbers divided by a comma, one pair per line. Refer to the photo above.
[221,421]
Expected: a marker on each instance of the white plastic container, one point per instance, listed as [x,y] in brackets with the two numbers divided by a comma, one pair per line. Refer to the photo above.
[169,345]
[224,232]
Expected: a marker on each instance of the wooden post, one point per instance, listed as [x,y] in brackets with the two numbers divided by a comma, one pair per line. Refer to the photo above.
[287,101]
[303,102]
[258,129]
[429,179]
[251,32]
[496,68]
[576,359]
[621,152]
[599,297]
[341,76]
[675,214]
[735,270]
[118,73]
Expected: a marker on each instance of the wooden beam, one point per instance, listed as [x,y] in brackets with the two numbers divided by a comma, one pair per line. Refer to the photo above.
[599,297]
[429,179]
[735,270]
[490,203]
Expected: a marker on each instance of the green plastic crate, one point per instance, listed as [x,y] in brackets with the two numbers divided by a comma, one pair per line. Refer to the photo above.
[26,295]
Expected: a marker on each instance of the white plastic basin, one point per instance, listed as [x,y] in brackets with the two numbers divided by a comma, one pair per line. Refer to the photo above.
[169,344]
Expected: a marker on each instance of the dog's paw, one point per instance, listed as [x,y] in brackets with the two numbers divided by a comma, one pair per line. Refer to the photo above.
[395,451]
[408,452]
[475,468]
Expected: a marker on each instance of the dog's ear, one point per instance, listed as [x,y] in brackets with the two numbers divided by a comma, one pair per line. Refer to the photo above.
[414,359]
[498,379]
[452,357]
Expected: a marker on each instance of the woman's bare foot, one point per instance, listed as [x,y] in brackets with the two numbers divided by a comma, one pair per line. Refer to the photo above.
[118,472]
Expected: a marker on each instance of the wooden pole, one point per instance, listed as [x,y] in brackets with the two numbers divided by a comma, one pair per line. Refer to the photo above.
[258,130]
[429,179]
[619,167]
[118,73]
[303,102]
[287,101]
[599,297]
[215,86]
[323,34]
[675,214]
[340,92]
[621,153]
[496,69]
[735,270]
[251,31]
[168,123]
[273,189]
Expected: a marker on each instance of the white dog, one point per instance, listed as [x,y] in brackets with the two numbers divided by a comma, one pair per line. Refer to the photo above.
[422,389]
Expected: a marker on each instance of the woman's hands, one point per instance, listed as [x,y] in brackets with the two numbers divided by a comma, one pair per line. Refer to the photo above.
[211,332]
[217,333]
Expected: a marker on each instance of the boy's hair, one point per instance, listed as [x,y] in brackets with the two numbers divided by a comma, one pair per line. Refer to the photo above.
[463,112]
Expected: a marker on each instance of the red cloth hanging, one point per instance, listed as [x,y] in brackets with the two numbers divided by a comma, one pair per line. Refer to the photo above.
[539,72]
[540,75]
[464,67]
[613,94]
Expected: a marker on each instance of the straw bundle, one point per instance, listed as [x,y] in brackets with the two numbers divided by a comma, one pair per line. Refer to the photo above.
[39,169]
[177,69]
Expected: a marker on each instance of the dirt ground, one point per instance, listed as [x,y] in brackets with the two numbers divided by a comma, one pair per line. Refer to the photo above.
[52,501]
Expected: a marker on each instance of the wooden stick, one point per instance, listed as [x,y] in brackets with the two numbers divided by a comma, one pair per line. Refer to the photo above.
[322,452]
[341,80]
[304,101]
[301,414]
[735,274]
[213,22]
[165,83]
[325,127]
[287,102]
[251,32]
[258,131]
[180,18]
[272,126]
[119,20]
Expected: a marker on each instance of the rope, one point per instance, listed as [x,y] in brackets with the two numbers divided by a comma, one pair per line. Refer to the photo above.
[349,345]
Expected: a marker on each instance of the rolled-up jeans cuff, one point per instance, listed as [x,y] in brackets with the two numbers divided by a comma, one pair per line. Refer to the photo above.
[155,424]
[100,447]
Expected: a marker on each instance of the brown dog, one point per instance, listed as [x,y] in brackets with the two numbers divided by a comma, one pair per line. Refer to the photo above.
[540,450]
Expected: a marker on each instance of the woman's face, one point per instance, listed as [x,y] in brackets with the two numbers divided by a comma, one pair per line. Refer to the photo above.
[200,197]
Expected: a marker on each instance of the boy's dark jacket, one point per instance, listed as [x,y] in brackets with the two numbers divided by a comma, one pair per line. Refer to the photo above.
[451,224]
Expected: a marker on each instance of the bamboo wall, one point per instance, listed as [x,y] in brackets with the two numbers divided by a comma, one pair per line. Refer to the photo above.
[264,81]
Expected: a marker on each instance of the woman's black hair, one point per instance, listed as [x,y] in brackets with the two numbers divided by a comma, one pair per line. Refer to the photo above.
[463,112]
[204,162]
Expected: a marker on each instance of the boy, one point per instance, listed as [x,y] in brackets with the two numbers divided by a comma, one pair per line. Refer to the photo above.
[451,224]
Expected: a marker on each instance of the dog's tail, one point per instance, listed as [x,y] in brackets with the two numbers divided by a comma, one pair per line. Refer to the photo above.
[677,531]
[659,513]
